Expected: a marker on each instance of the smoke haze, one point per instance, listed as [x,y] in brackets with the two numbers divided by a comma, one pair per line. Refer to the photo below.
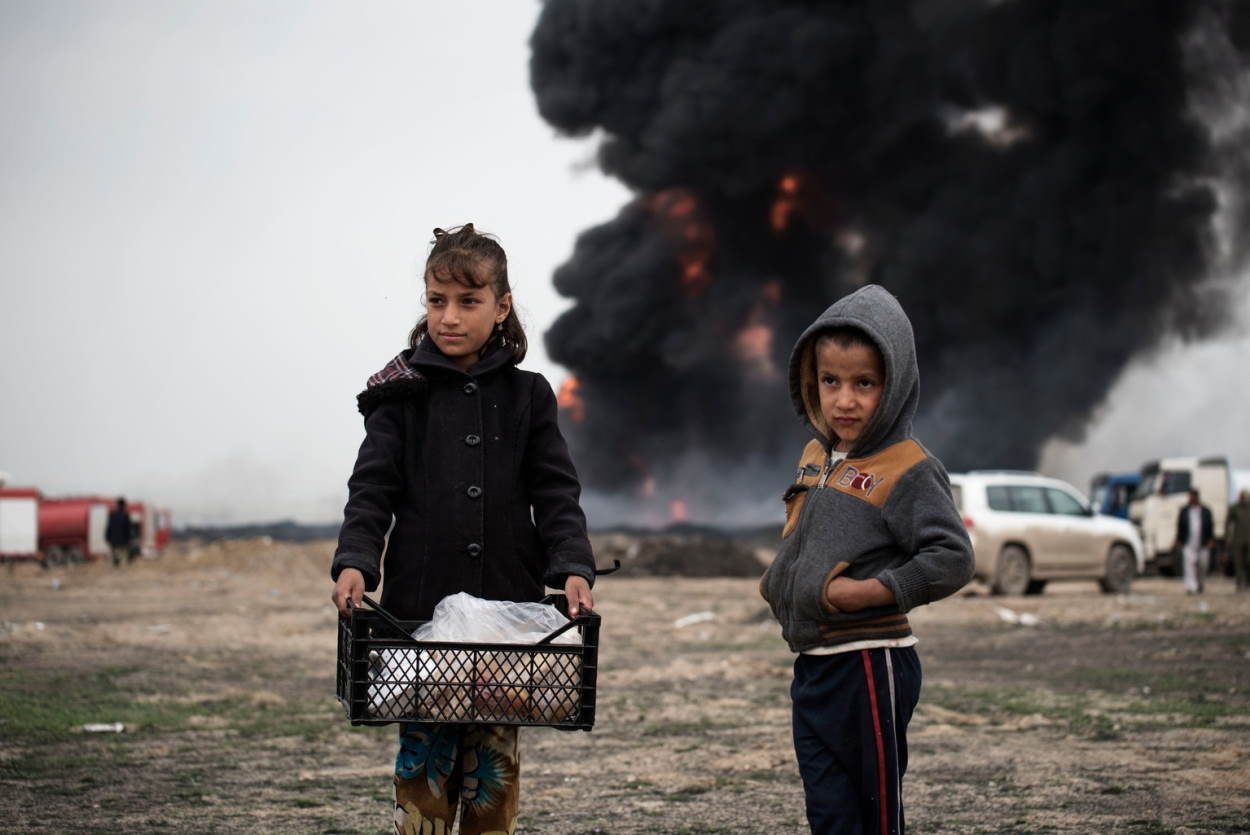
[1052,189]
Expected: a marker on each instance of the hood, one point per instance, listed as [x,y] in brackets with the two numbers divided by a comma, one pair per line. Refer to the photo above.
[873,310]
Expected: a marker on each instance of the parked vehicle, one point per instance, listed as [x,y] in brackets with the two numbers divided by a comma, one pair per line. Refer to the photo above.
[63,531]
[1240,480]
[1164,489]
[71,530]
[1110,493]
[19,523]
[1028,529]
[153,527]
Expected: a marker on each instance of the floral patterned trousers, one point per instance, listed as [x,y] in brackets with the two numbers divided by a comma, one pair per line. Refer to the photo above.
[442,767]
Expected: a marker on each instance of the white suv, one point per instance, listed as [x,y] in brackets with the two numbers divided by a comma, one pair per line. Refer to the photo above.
[1027,529]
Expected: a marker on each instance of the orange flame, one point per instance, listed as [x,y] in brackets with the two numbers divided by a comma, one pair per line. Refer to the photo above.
[785,204]
[696,239]
[677,509]
[753,344]
[569,400]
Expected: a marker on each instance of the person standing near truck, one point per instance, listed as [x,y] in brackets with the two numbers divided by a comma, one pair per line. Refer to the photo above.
[119,532]
[1238,538]
[1195,530]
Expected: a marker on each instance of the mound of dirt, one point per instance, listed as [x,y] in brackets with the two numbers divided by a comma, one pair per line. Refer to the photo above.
[681,554]
[678,552]
[259,555]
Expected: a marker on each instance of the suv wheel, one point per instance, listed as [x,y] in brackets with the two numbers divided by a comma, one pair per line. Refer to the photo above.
[1120,570]
[1012,574]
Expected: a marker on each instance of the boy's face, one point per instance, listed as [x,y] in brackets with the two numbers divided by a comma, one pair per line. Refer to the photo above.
[851,380]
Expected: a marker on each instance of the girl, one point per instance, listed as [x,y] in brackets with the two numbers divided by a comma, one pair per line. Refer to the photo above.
[463,453]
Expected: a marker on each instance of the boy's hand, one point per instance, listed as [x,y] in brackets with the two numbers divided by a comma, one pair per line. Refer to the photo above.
[847,595]
[350,585]
[577,590]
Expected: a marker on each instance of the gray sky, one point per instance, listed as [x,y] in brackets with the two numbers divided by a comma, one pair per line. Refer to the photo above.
[214,217]
[214,222]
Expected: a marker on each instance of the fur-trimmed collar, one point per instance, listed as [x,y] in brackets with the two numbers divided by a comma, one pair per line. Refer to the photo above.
[397,369]
[408,374]
[398,378]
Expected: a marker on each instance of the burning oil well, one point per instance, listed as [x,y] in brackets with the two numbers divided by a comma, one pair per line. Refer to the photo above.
[1051,187]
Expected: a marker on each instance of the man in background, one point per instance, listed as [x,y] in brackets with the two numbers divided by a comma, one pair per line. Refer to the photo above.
[1195,529]
[1239,539]
[119,532]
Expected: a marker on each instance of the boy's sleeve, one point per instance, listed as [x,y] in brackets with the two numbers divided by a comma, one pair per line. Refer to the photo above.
[923,519]
[554,491]
[372,491]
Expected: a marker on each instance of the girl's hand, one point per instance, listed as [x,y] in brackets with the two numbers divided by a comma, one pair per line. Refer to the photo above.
[577,590]
[847,595]
[350,585]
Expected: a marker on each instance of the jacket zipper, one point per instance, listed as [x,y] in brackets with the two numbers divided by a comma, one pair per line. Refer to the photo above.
[828,473]
[800,531]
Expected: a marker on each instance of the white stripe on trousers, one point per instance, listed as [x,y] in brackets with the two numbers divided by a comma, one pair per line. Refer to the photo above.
[898,792]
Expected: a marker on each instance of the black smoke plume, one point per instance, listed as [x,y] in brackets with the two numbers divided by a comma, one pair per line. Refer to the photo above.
[1050,187]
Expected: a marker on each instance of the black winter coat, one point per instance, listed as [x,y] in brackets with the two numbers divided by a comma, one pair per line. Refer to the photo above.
[472,468]
[1182,526]
[120,529]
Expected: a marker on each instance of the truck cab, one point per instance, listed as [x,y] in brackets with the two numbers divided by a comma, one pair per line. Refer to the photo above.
[1111,493]
[1164,490]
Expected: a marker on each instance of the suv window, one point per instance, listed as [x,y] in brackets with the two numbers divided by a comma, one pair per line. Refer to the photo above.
[1176,481]
[1028,499]
[957,493]
[998,498]
[1063,503]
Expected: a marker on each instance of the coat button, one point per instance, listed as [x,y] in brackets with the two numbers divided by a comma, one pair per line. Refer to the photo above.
[470,388]
[472,440]
[473,491]
[474,549]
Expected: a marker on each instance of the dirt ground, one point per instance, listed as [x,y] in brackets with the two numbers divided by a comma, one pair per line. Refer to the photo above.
[1069,712]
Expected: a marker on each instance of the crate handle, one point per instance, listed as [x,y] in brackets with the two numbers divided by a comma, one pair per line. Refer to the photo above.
[386,616]
[584,616]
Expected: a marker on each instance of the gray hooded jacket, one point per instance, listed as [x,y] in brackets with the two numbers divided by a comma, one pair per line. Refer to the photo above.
[885,511]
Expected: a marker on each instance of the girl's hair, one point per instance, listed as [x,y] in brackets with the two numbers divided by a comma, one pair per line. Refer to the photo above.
[472,259]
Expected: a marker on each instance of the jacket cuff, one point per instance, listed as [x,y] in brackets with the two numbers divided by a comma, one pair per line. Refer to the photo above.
[908,584]
[365,564]
[579,563]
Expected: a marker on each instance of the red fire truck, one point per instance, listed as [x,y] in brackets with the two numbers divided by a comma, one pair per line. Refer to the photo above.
[62,531]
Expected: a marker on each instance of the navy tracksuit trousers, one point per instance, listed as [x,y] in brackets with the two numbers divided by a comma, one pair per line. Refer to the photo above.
[850,720]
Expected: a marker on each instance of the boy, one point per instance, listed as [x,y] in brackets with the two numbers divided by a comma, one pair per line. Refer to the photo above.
[871,532]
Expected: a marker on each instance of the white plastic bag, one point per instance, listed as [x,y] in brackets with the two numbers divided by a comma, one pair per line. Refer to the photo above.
[463,618]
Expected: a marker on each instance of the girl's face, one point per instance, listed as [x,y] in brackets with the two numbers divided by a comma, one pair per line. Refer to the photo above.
[461,318]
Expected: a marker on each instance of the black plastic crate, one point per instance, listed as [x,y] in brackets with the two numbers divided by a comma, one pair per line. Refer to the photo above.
[385,676]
